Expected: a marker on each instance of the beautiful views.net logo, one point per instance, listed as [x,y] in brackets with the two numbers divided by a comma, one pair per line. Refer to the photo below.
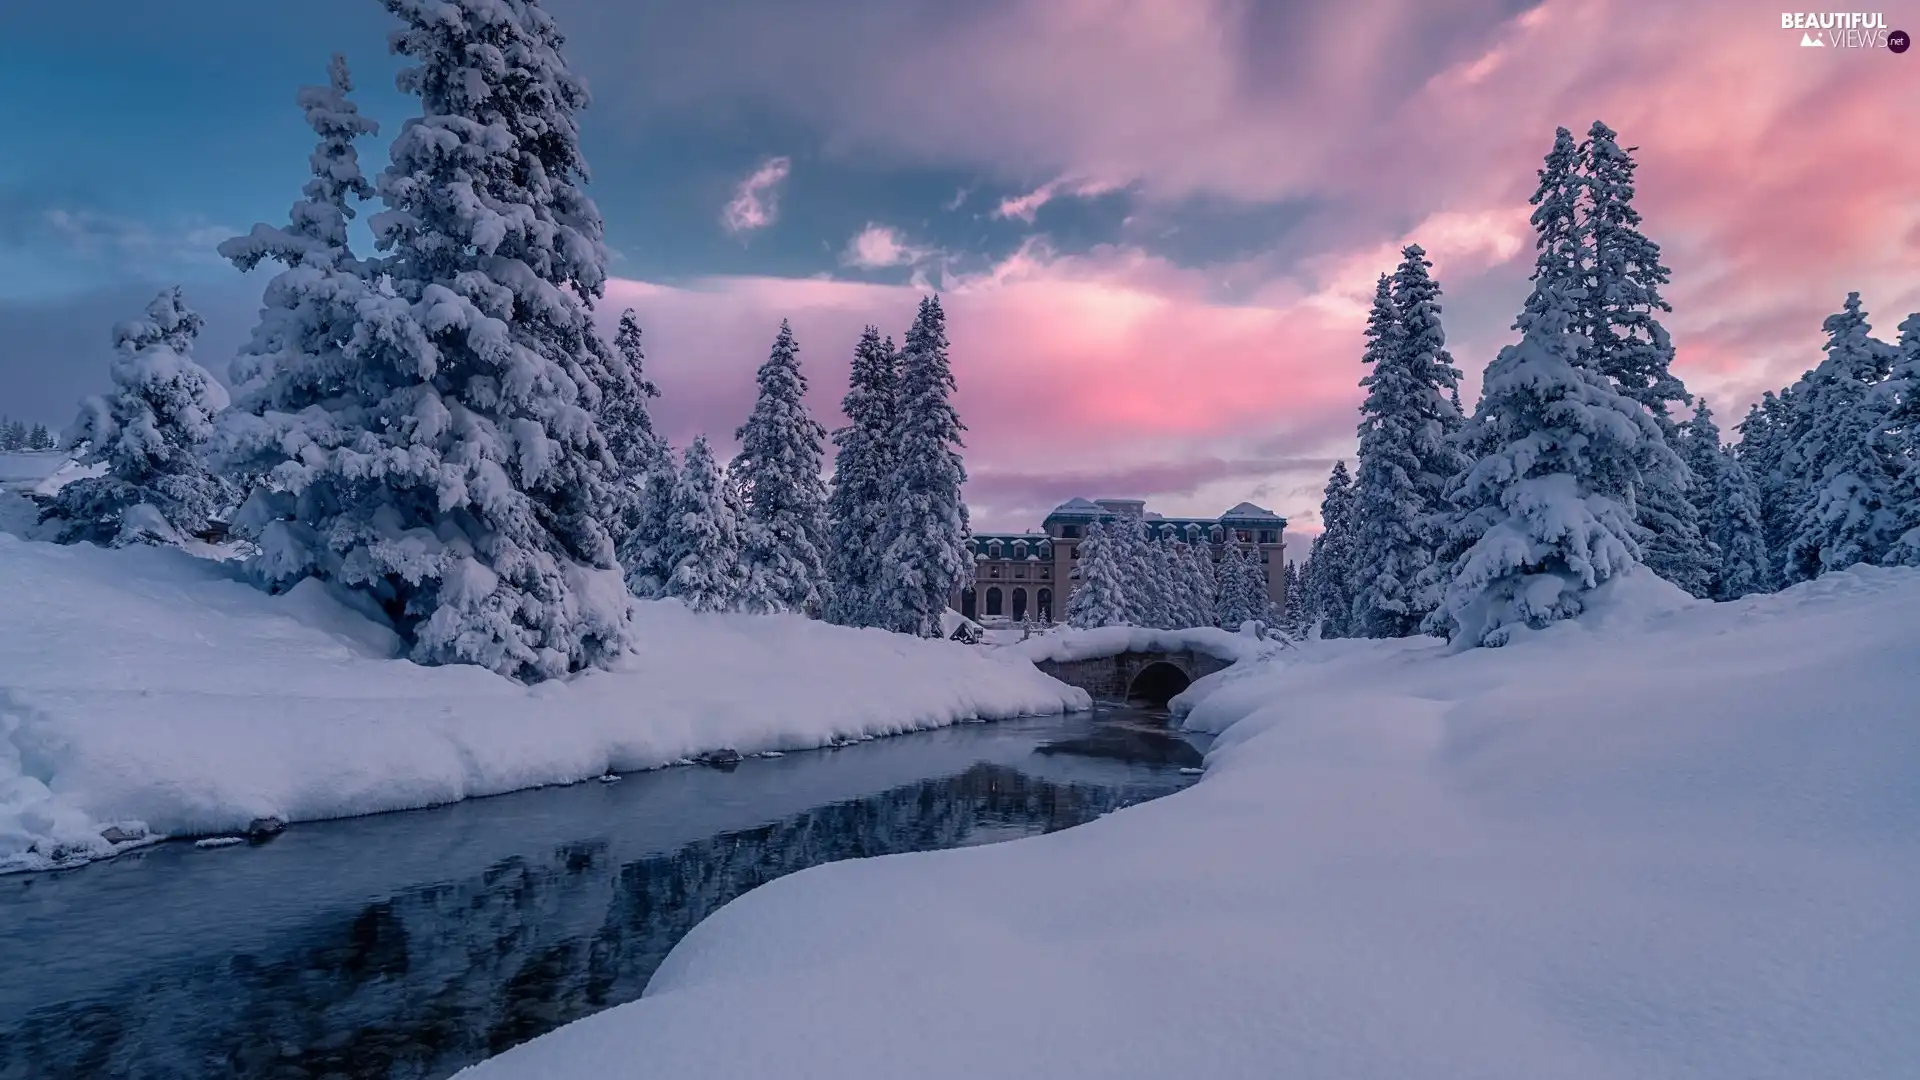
[1844,30]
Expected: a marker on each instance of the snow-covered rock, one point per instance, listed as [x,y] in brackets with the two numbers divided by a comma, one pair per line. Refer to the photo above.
[152,691]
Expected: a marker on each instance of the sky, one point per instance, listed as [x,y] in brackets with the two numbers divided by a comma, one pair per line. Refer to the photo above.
[1154,224]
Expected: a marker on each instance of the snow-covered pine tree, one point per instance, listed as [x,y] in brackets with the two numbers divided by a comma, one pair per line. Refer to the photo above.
[778,474]
[1165,585]
[1406,458]
[1903,423]
[704,536]
[1619,314]
[1145,597]
[1547,513]
[633,445]
[1846,464]
[150,432]
[924,554]
[1296,615]
[1737,532]
[860,498]
[1331,557]
[1260,605]
[1762,451]
[13,435]
[1235,603]
[1100,596]
[1699,446]
[457,473]
[40,438]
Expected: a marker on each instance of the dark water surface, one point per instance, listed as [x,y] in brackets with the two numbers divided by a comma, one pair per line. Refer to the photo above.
[411,945]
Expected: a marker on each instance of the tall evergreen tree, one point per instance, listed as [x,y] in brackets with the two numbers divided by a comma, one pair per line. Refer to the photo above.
[860,500]
[150,433]
[1903,422]
[1762,451]
[1331,557]
[1546,513]
[1737,532]
[1100,596]
[1192,588]
[1406,457]
[456,471]
[704,536]
[1620,316]
[778,472]
[40,438]
[1297,616]
[925,556]
[1239,598]
[1844,460]
[632,443]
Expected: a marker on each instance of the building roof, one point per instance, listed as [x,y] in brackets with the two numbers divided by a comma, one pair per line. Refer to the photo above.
[1246,511]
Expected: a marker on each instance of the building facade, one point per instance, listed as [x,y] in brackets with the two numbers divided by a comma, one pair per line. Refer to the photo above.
[1028,576]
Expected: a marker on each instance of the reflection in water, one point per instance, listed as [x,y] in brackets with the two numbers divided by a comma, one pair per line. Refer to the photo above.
[440,965]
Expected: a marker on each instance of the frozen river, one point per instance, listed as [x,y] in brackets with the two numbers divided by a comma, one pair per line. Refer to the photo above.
[410,945]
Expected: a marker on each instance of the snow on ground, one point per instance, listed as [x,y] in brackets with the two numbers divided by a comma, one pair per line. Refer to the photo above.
[147,690]
[1675,840]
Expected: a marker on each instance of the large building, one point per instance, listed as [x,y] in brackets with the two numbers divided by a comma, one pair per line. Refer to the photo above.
[1030,575]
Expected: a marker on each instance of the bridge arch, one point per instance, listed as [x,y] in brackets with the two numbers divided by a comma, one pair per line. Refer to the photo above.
[1158,683]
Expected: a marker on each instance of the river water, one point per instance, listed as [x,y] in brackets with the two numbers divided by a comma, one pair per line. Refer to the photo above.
[406,946]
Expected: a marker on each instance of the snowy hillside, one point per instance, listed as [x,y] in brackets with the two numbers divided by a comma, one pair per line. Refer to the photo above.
[1669,839]
[144,689]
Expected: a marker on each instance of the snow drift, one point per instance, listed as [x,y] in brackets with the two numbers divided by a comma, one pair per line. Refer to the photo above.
[1667,839]
[147,691]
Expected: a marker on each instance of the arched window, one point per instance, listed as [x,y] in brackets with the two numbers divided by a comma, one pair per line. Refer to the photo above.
[1046,605]
[993,601]
[1019,603]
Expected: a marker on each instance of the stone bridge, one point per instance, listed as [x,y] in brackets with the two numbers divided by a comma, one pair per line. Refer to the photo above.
[1151,676]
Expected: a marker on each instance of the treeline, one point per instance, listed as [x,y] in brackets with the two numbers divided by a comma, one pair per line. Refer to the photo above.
[1126,578]
[439,425]
[1577,463]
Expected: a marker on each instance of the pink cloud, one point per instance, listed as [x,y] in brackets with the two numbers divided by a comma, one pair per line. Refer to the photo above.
[1101,372]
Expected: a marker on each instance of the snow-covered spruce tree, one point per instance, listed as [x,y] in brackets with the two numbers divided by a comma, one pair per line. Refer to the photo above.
[1698,445]
[1406,458]
[1164,585]
[1330,583]
[1903,422]
[860,498]
[1547,513]
[1619,314]
[40,438]
[1236,602]
[1845,459]
[636,450]
[778,473]
[1764,440]
[704,536]
[1737,533]
[1296,616]
[150,432]
[457,473]
[1100,596]
[924,551]
[13,435]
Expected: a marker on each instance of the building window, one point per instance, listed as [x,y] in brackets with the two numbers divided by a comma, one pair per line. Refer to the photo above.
[1071,532]
[1020,570]
[993,601]
[993,571]
[1076,553]
[1245,536]
[1046,573]
[1266,556]
[1266,536]
[1019,603]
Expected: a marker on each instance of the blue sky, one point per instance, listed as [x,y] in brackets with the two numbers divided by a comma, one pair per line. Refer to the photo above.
[1156,221]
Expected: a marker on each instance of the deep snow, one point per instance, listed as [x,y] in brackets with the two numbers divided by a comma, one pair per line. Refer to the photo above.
[146,690]
[1669,839]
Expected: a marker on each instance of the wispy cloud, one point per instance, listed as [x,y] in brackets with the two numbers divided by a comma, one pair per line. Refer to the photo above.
[1027,207]
[879,246]
[756,202]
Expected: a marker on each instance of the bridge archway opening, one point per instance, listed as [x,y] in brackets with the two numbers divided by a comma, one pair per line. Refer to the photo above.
[1157,683]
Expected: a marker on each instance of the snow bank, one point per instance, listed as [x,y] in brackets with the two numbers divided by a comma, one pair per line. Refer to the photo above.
[1064,643]
[29,467]
[1668,840]
[144,689]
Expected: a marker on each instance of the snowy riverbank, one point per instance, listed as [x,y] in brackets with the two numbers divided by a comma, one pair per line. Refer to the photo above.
[147,690]
[1672,839]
